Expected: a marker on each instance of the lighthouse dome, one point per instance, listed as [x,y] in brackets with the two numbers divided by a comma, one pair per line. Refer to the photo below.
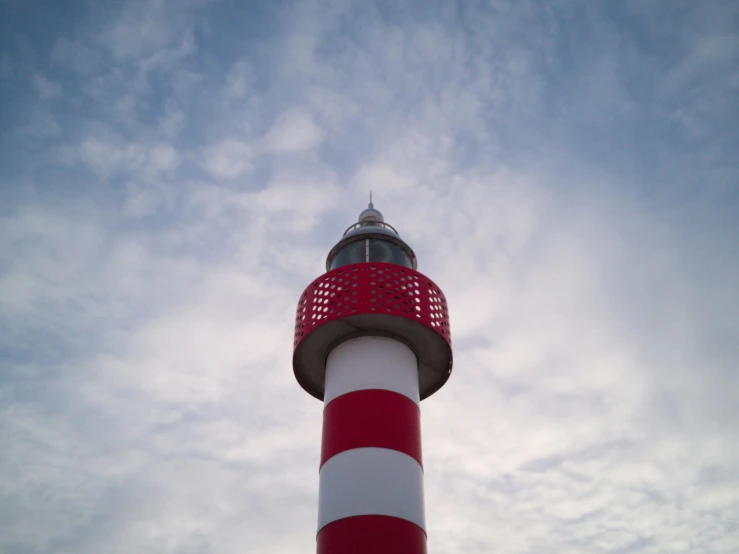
[371,216]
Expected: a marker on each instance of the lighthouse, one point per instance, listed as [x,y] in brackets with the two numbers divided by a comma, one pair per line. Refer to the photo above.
[371,341]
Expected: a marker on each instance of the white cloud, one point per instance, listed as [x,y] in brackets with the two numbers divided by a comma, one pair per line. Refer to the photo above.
[106,157]
[45,88]
[76,55]
[238,80]
[108,154]
[41,125]
[143,29]
[146,306]
[293,131]
[173,120]
[162,158]
[228,159]
[146,199]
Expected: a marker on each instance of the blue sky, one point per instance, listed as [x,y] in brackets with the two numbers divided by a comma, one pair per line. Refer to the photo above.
[173,174]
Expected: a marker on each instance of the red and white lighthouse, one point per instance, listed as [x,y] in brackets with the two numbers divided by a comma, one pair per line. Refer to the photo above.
[371,341]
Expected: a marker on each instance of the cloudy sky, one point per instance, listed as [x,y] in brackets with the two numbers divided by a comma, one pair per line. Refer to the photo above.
[174,172]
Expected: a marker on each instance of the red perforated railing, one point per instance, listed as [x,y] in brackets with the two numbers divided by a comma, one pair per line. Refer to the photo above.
[372,288]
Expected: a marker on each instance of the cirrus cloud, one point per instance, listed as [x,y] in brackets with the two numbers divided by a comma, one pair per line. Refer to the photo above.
[174,173]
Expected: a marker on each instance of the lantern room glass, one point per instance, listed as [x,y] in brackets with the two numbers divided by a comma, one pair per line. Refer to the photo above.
[371,250]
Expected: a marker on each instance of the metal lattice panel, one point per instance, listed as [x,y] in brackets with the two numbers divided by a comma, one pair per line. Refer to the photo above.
[372,298]
[369,288]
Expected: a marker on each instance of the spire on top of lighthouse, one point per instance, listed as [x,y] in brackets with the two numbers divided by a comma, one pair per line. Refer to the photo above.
[371,216]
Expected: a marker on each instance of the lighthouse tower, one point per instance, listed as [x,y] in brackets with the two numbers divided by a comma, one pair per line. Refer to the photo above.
[371,341]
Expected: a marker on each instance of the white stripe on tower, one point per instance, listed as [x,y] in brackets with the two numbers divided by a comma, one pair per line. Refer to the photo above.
[365,481]
[371,477]
[371,363]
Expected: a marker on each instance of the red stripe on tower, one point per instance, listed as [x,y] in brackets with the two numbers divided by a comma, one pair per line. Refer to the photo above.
[372,535]
[373,417]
